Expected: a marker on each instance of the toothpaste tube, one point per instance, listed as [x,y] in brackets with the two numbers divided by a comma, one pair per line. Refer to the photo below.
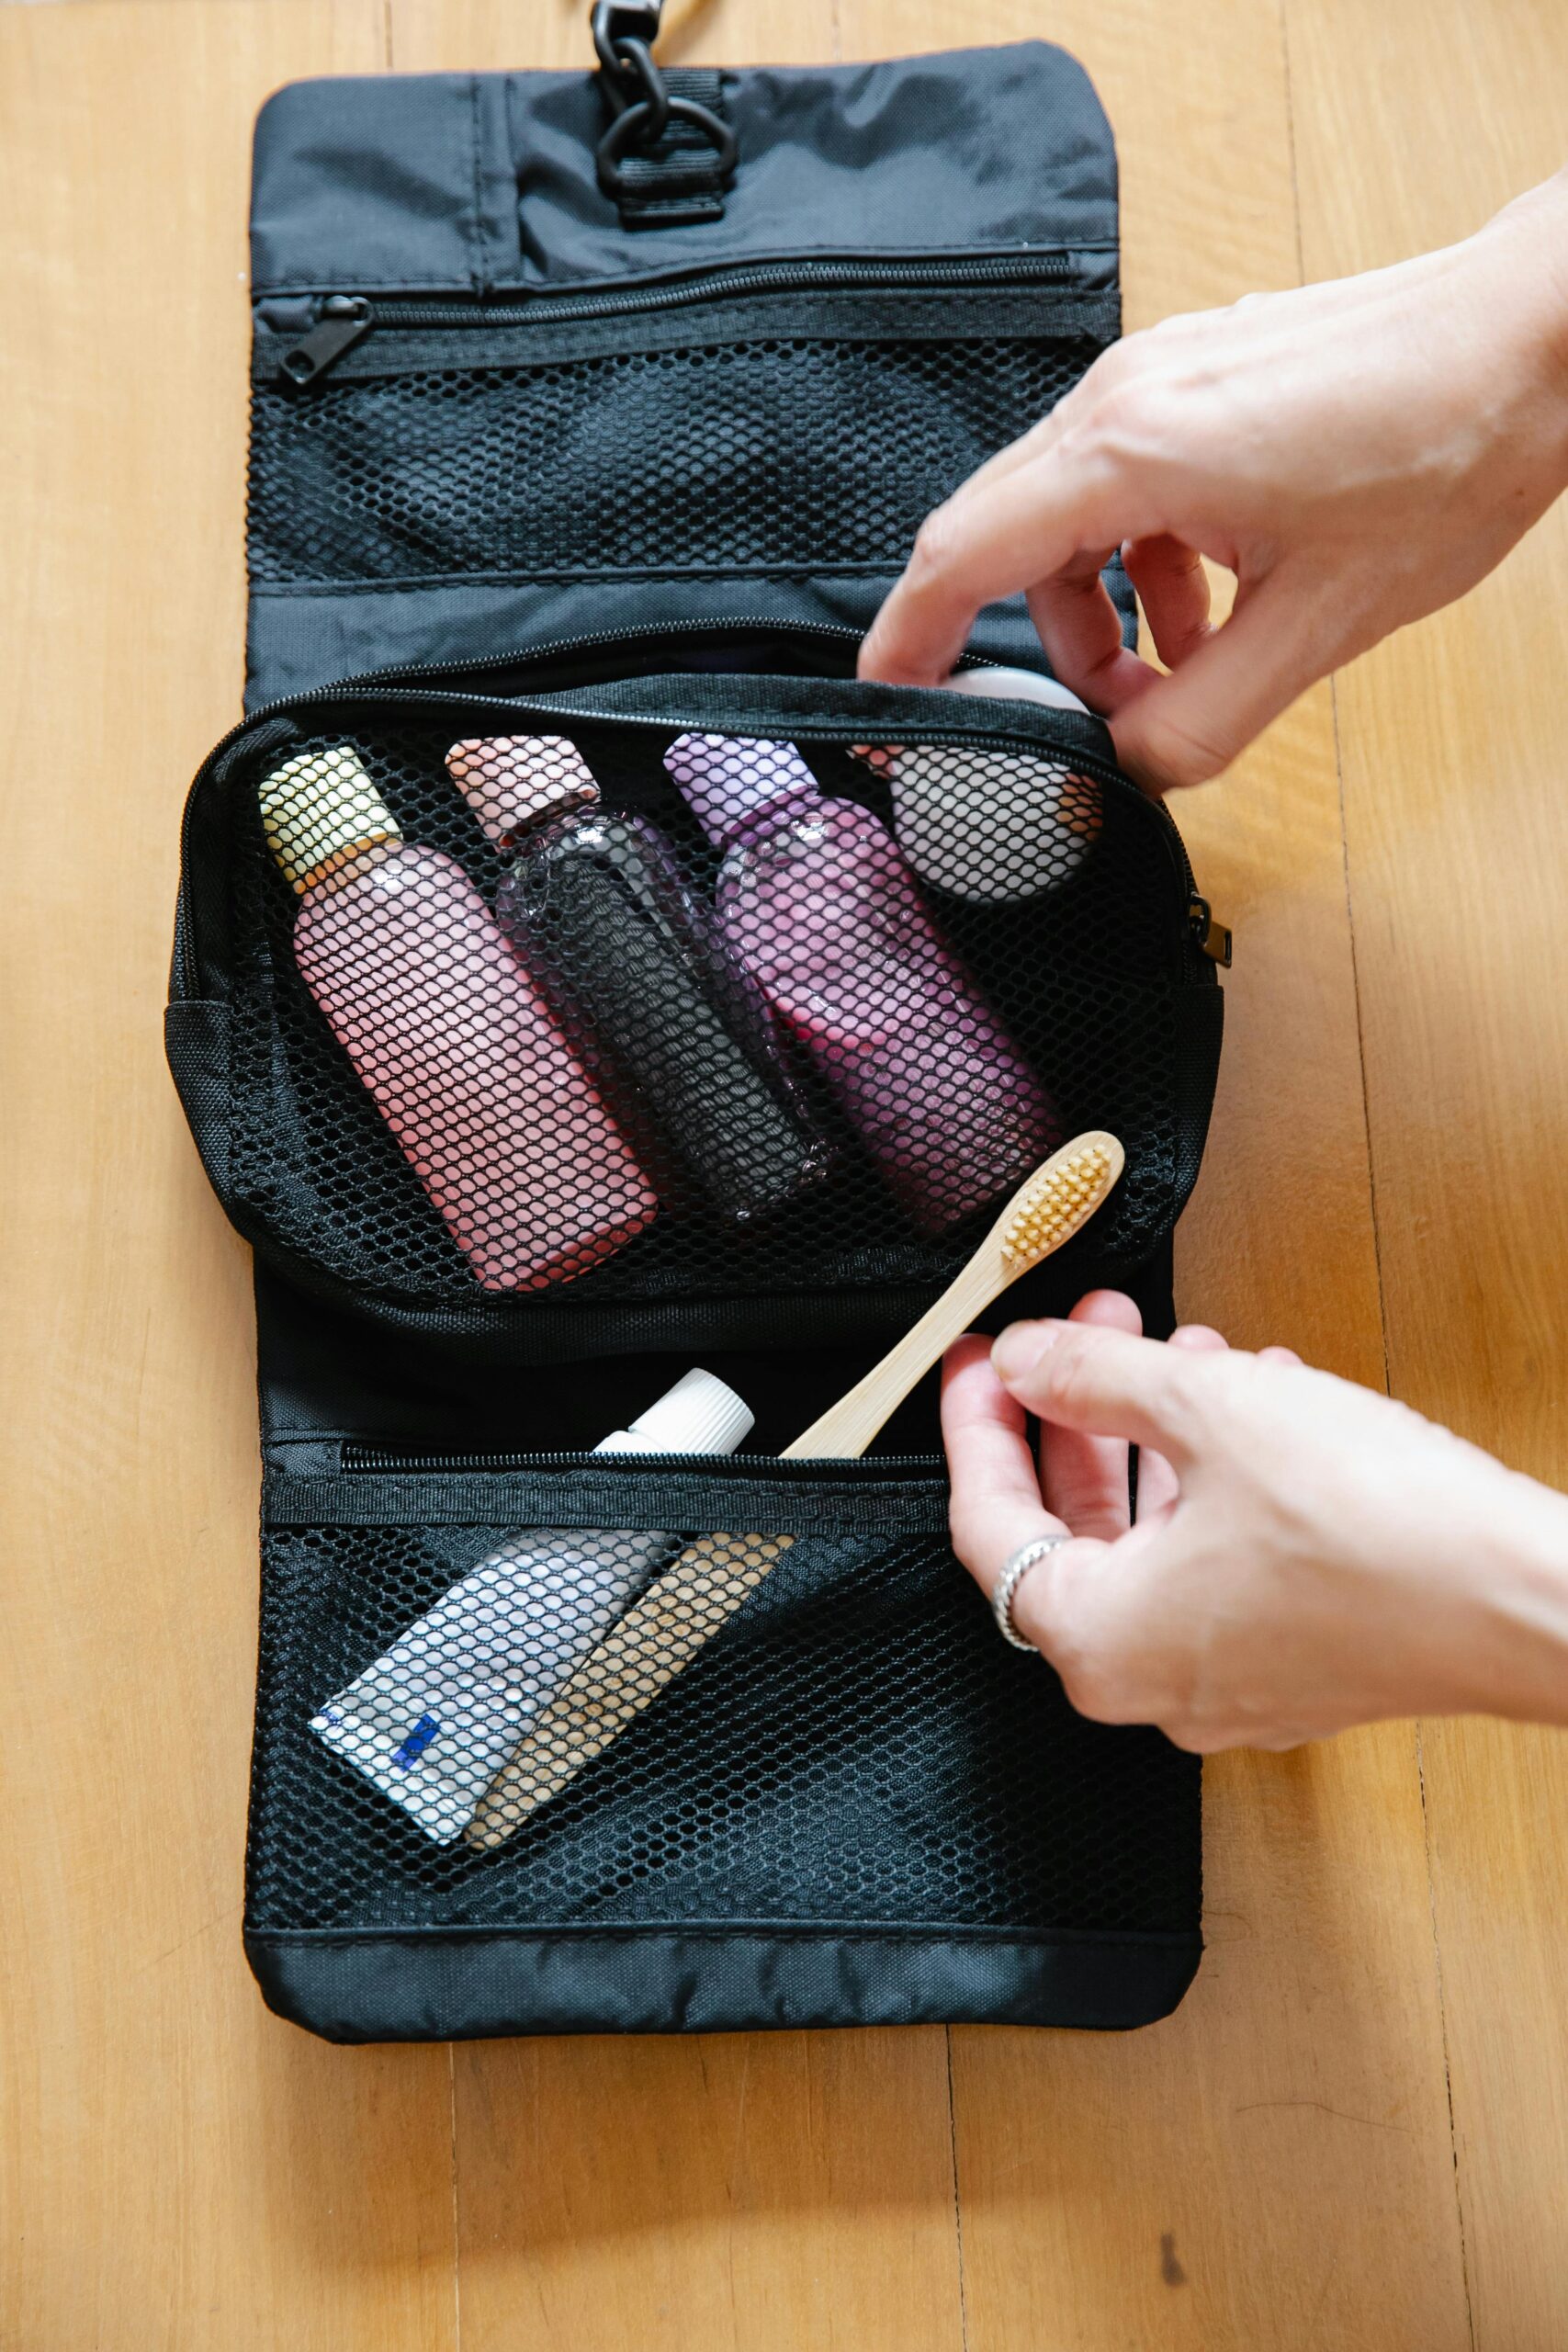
[433,1720]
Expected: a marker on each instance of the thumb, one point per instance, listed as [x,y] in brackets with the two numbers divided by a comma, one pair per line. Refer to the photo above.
[1184,727]
[1081,1376]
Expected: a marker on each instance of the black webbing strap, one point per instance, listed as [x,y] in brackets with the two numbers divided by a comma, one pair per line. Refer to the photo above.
[668,152]
[682,177]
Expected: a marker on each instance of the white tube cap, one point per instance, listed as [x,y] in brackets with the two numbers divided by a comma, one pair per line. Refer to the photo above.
[699,1415]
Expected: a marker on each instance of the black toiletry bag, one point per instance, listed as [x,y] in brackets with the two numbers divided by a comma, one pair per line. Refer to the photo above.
[534,457]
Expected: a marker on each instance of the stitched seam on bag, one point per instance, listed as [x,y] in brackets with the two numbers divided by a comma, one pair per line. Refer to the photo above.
[474,232]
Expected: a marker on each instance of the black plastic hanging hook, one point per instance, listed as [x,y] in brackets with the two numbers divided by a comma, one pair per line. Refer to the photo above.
[623,34]
[641,106]
[616,21]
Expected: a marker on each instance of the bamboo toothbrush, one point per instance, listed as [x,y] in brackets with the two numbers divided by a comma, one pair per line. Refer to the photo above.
[663,1631]
[1060,1197]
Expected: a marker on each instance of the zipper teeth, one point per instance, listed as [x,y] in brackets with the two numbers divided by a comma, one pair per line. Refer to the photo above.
[359,1458]
[407,310]
[590,640]
[580,641]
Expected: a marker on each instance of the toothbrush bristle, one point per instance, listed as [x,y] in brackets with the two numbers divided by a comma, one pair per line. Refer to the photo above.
[1056,1203]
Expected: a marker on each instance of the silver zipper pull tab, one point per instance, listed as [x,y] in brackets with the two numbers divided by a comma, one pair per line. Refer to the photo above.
[340,321]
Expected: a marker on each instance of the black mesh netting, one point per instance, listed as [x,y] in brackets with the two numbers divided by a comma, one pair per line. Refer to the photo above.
[647,1015]
[449,1735]
[729,457]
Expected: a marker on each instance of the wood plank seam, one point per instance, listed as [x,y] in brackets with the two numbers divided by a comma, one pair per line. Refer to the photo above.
[958,2199]
[1374,1205]
[1443,2016]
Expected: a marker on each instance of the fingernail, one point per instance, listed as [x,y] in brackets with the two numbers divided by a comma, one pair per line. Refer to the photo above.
[1019,1348]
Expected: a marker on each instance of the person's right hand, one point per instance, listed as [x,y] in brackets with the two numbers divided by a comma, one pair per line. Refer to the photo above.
[1307,1555]
[1358,452]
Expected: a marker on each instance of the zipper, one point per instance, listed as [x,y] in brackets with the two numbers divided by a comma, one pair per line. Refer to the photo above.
[361,1458]
[1214,938]
[407,674]
[340,323]
[343,319]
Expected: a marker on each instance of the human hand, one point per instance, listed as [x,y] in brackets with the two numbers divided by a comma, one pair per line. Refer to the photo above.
[1357,453]
[1307,1555]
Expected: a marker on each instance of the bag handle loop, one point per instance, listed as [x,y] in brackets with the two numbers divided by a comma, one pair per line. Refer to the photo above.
[642,107]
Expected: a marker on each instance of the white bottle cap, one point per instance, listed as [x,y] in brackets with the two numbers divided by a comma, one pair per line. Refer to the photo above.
[699,1415]
[998,684]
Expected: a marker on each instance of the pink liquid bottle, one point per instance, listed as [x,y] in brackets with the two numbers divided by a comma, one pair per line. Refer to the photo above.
[816,903]
[452,1040]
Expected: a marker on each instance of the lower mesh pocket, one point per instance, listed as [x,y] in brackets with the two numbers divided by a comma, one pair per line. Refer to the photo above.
[803,1723]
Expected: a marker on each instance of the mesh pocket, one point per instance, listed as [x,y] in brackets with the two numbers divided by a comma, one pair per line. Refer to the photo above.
[728,457]
[812,1727]
[660,1016]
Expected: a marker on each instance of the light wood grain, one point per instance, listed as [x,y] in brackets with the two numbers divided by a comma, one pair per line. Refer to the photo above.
[764,2192]
[1452,739]
[1270,2168]
[181,2168]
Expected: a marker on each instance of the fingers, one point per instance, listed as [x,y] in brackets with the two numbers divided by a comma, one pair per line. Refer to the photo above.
[1085,1476]
[1185,729]
[995,537]
[1104,1381]
[1081,631]
[1173,589]
[996,1502]
[1158,1483]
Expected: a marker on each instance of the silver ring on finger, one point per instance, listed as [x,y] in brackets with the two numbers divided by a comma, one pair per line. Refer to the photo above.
[1013,1576]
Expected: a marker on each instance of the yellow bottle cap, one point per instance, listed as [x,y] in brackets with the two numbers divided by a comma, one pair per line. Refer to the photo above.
[320,811]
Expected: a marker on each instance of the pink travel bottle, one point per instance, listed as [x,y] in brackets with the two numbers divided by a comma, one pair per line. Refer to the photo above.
[451,1038]
[816,903]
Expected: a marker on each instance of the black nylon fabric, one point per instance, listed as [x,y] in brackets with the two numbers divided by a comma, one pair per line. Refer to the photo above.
[413,506]
[863,1670]
[401,1988]
[299,637]
[847,1754]
[1104,974]
[478,181]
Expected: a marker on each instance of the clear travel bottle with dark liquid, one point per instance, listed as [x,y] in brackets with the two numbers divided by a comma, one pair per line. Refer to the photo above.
[679,1038]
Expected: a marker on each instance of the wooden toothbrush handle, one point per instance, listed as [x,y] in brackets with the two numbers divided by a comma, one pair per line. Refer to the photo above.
[846,1428]
[644,1650]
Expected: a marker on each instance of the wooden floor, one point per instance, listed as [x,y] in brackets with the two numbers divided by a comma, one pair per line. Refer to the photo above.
[1355,2132]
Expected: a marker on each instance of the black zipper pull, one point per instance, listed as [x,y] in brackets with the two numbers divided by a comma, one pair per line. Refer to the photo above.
[340,321]
[1212,937]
